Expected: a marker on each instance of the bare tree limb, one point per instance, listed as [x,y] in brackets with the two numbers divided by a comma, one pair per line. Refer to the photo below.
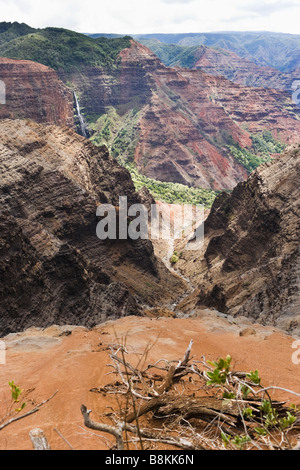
[116,431]
[34,410]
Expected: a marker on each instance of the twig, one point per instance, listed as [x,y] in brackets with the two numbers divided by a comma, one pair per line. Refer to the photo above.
[34,410]
[277,388]
[64,439]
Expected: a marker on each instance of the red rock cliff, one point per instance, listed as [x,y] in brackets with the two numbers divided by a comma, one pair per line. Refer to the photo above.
[183,118]
[34,91]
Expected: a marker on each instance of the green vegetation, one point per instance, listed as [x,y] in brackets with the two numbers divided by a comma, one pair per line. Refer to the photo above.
[221,370]
[264,411]
[119,133]
[172,54]
[16,393]
[174,258]
[172,193]
[175,55]
[60,48]
[263,146]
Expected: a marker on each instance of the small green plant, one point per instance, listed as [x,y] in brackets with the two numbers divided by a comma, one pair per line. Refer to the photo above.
[261,431]
[245,391]
[16,393]
[287,421]
[239,442]
[225,438]
[219,375]
[174,258]
[254,377]
[247,412]
[269,414]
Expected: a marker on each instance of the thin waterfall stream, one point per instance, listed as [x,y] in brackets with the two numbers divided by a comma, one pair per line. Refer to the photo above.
[82,124]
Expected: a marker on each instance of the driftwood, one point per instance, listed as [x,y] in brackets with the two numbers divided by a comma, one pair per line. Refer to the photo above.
[39,440]
[160,394]
[149,434]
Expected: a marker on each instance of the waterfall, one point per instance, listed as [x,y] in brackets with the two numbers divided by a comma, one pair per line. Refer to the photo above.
[83,128]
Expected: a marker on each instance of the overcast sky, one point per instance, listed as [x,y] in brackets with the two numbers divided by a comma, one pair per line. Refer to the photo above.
[156,16]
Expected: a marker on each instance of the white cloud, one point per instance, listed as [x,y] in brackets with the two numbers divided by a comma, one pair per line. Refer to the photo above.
[156,16]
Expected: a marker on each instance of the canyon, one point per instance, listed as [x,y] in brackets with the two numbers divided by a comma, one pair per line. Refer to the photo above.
[66,296]
[149,117]
[147,114]
[54,269]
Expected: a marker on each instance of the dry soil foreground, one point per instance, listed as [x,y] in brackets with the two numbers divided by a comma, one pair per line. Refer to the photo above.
[45,361]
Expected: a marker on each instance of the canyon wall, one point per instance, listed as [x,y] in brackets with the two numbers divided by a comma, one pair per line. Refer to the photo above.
[53,267]
[34,91]
[176,122]
[249,263]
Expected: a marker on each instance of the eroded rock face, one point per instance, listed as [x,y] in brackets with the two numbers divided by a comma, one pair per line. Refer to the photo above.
[53,268]
[182,120]
[175,124]
[251,257]
[240,70]
[34,91]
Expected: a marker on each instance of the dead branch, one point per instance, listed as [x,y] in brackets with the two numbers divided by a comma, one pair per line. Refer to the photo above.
[34,410]
[150,435]
[116,431]
[171,402]
[64,439]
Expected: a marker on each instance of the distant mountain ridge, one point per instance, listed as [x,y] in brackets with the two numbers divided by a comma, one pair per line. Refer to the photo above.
[216,61]
[277,50]
[58,48]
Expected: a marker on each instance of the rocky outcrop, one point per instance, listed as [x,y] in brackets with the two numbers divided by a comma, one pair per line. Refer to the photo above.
[175,124]
[53,268]
[249,265]
[34,91]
